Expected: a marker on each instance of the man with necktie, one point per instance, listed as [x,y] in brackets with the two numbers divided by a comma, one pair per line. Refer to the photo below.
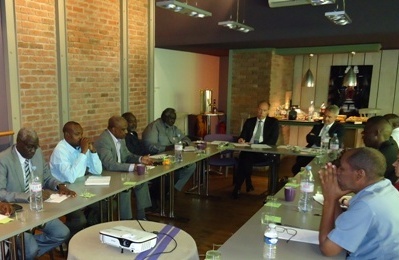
[114,155]
[17,165]
[324,129]
[261,129]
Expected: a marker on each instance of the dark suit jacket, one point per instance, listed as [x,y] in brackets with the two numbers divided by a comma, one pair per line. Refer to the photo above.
[270,130]
[134,144]
[106,150]
[389,149]
[313,137]
[12,185]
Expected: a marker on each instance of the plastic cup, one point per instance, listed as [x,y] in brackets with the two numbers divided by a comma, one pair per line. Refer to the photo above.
[141,169]
[20,215]
[289,193]
[213,255]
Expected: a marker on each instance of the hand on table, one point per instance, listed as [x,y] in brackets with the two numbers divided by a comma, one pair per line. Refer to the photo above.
[6,209]
[146,160]
[63,190]
[241,140]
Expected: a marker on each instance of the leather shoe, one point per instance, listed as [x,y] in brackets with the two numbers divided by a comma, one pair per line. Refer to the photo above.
[250,188]
[235,194]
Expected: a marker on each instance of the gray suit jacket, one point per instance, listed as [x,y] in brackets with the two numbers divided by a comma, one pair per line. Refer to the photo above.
[106,150]
[12,185]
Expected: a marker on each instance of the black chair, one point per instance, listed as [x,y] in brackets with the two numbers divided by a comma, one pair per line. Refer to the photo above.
[273,162]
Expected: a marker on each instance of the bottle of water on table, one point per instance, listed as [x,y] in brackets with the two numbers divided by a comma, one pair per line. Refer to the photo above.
[334,146]
[179,150]
[270,239]
[35,198]
[307,188]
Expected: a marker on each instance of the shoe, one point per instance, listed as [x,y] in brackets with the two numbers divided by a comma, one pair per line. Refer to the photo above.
[250,188]
[235,194]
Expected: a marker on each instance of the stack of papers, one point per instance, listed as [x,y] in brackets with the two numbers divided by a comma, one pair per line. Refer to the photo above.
[189,149]
[98,180]
[260,146]
[241,144]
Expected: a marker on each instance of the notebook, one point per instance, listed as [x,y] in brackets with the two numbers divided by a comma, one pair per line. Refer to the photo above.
[98,180]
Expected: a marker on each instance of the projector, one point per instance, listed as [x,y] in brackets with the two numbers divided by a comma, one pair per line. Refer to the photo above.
[127,238]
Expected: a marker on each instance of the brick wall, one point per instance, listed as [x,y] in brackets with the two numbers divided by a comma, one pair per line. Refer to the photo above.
[138,61]
[93,55]
[258,75]
[93,33]
[36,43]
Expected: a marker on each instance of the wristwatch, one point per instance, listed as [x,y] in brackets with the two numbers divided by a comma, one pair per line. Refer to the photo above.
[61,184]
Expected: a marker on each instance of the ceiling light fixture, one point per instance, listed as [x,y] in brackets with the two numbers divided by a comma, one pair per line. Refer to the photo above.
[322,2]
[235,25]
[339,17]
[183,8]
[308,79]
[350,79]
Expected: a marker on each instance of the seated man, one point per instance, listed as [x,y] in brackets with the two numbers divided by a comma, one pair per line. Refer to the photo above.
[327,127]
[17,164]
[70,160]
[133,143]
[114,155]
[368,229]
[396,166]
[377,134]
[393,119]
[161,135]
[261,129]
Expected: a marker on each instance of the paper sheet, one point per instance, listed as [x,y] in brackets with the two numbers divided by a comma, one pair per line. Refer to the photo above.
[189,149]
[56,198]
[302,235]
[98,180]
[4,219]
[158,156]
[241,144]
[260,146]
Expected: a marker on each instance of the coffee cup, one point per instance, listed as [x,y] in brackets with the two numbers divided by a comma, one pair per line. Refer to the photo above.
[141,169]
[289,193]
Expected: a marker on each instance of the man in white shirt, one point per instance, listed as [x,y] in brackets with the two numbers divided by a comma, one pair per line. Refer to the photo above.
[393,119]
[71,159]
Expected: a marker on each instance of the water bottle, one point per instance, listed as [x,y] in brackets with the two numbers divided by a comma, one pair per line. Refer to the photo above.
[270,239]
[35,197]
[334,146]
[325,141]
[179,150]
[307,188]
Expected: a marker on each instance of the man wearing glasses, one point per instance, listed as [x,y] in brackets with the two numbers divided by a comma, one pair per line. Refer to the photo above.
[17,165]
[369,228]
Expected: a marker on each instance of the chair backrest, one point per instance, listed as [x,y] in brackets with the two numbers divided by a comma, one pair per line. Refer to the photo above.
[369,112]
[219,137]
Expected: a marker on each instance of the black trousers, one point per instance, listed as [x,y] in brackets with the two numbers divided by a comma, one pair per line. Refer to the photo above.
[246,160]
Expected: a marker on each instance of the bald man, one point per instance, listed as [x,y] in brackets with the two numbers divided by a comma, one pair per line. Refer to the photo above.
[114,155]
[376,134]
[369,228]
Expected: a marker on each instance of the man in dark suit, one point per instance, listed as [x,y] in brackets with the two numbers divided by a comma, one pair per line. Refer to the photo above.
[114,155]
[324,129]
[377,134]
[133,143]
[261,129]
[18,164]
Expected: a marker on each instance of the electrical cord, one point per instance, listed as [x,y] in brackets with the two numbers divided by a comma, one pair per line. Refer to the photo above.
[159,233]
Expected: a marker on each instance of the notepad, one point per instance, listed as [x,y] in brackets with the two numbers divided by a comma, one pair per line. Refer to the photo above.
[189,149]
[260,146]
[98,180]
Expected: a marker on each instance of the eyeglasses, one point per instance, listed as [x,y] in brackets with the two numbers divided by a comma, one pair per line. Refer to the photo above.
[291,232]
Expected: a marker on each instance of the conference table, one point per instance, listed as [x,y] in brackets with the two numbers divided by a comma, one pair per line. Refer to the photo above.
[86,243]
[120,181]
[239,247]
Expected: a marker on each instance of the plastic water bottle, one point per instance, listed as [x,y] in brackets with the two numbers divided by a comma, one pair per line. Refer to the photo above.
[270,239]
[35,198]
[325,141]
[307,188]
[334,146]
[179,150]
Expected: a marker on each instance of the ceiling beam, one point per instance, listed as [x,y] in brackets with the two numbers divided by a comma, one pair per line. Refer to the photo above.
[375,47]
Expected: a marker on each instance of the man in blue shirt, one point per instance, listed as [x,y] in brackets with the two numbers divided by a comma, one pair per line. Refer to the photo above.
[71,159]
[368,229]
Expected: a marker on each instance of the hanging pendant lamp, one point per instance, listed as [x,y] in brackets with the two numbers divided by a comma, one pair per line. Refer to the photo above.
[308,79]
